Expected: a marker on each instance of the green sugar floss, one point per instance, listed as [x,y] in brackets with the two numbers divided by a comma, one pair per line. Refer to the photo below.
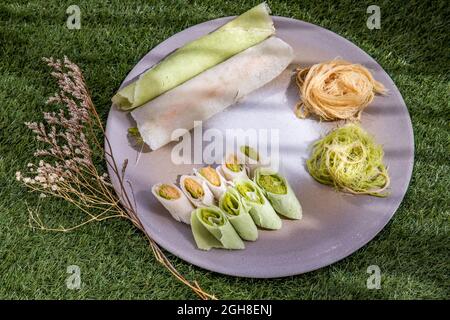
[349,159]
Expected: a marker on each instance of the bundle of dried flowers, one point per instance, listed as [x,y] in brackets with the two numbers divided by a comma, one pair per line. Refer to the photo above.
[66,168]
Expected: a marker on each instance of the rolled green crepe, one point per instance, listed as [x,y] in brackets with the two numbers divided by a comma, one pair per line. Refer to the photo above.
[212,229]
[237,213]
[245,31]
[279,192]
[261,210]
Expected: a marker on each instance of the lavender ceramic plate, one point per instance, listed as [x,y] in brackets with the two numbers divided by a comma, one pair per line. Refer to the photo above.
[334,225]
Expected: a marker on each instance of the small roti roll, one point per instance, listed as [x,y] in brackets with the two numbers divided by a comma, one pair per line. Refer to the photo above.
[174,200]
[212,229]
[197,191]
[260,208]
[238,214]
[231,169]
[278,191]
[210,92]
[214,179]
[252,159]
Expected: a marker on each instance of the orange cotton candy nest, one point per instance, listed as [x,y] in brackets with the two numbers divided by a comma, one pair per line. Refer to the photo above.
[335,90]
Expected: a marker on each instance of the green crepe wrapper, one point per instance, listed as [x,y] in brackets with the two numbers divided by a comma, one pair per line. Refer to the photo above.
[260,208]
[212,229]
[243,32]
[285,204]
[231,203]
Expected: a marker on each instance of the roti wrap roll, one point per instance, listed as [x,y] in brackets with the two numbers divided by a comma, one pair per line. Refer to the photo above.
[214,179]
[260,208]
[231,203]
[174,200]
[210,92]
[252,159]
[231,169]
[197,191]
[193,58]
[280,194]
[212,229]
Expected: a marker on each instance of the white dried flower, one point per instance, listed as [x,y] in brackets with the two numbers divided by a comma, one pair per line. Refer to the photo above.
[52,177]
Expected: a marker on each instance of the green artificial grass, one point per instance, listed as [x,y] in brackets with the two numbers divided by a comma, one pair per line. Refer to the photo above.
[115,260]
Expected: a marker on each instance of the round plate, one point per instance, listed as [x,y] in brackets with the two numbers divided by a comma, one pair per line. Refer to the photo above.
[334,224]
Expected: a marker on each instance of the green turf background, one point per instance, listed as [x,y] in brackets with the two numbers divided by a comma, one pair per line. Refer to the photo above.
[413,46]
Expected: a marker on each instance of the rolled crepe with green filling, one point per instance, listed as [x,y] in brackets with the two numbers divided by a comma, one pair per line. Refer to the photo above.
[280,194]
[252,158]
[193,58]
[174,200]
[212,229]
[231,203]
[160,120]
[196,190]
[260,208]
[231,169]
[214,179]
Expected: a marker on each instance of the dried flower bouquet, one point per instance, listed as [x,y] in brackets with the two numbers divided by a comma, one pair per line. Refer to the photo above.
[66,168]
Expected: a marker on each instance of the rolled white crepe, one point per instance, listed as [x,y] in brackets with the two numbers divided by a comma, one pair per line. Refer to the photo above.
[231,175]
[217,191]
[180,209]
[207,199]
[211,91]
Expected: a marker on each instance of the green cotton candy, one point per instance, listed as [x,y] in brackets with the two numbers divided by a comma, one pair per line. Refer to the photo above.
[245,31]
[278,191]
[348,159]
[237,213]
[260,208]
[212,229]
